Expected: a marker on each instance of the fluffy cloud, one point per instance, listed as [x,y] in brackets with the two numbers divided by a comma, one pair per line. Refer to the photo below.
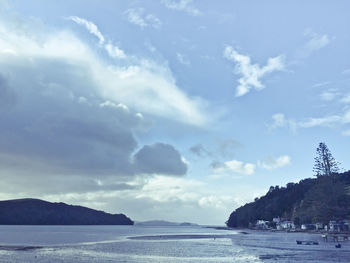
[233,167]
[137,17]
[274,163]
[251,73]
[160,158]
[182,5]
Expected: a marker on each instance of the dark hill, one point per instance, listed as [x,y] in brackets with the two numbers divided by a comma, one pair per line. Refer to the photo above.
[39,212]
[311,200]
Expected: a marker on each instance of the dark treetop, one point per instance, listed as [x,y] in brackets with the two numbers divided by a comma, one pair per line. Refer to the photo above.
[39,212]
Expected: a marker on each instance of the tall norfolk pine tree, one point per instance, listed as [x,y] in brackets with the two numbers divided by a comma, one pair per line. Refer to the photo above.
[325,164]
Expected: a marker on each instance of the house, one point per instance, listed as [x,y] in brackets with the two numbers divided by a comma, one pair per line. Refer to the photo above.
[287,225]
[319,226]
[308,227]
[338,226]
[276,220]
[334,226]
[262,224]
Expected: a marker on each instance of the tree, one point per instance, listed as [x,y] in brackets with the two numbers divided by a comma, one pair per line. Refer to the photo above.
[325,164]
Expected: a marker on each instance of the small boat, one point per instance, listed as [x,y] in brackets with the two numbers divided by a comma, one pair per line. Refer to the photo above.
[338,245]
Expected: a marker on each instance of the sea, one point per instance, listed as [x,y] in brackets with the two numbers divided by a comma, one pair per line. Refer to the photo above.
[141,244]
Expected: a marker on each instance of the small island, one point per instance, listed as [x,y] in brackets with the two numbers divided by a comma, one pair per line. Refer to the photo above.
[39,212]
[313,204]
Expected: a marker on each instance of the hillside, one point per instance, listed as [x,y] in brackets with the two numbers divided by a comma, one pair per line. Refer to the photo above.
[39,212]
[309,201]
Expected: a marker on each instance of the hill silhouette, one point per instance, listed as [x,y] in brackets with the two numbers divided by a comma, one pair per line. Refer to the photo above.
[40,212]
[311,200]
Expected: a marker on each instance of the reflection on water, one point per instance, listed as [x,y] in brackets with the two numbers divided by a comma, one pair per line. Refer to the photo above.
[159,245]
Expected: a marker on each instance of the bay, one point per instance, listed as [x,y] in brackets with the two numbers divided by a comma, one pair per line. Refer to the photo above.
[173,244]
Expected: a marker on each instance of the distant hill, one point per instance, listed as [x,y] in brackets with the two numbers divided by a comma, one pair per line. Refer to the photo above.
[310,201]
[163,223]
[39,212]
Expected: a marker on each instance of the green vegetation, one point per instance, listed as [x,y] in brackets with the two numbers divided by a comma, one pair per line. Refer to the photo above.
[320,199]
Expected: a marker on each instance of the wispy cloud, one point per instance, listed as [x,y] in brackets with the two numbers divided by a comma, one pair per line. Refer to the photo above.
[346,133]
[139,18]
[251,73]
[280,121]
[182,5]
[314,43]
[329,95]
[346,71]
[346,98]
[91,27]
[199,150]
[233,167]
[183,59]
[272,163]
[321,84]
[112,50]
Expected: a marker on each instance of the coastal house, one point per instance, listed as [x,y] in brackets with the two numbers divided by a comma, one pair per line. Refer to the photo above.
[262,224]
[308,227]
[319,226]
[286,225]
[276,220]
[338,226]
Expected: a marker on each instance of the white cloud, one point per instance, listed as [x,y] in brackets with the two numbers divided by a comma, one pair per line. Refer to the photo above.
[233,167]
[280,121]
[110,104]
[346,99]
[321,84]
[327,121]
[346,133]
[112,50]
[346,71]
[251,73]
[183,59]
[137,17]
[182,5]
[314,43]
[146,79]
[329,95]
[91,27]
[274,163]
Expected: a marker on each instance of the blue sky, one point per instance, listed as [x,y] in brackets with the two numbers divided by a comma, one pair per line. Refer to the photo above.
[177,110]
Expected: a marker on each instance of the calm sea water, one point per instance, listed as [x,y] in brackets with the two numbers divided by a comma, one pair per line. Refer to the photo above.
[160,245]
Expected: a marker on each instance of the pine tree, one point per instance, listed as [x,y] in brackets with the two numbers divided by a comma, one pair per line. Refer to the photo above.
[325,164]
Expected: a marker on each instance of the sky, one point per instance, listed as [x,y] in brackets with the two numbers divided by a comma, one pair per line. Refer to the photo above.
[180,110]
